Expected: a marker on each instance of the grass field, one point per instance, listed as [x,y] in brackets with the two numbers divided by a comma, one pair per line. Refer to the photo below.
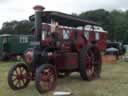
[113,82]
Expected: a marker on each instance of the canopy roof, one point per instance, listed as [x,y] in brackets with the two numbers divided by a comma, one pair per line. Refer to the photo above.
[64,19]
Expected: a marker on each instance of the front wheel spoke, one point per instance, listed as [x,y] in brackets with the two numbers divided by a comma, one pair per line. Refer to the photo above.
[24,71]
[16,71]
[14,82]
[24,76]
[17,83]
[20,83]
[14,79]
[14,75]
[21,70]
[23,81]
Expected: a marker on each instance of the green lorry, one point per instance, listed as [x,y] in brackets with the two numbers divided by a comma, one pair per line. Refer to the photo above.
[13,45]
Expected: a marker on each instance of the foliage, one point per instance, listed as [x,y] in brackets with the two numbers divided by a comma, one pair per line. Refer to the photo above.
[100,16]
[17,27]
[120,25]
[115,22]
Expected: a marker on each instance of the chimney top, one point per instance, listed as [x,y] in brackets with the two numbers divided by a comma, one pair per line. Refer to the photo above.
[38,8]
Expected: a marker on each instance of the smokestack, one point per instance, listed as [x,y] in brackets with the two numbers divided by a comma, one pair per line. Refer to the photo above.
[38,22]
[37,34]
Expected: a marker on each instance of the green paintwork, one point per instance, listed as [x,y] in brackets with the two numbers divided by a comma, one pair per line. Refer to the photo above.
[17,43]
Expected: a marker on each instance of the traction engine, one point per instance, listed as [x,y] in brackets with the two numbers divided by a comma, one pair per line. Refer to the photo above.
[56,52]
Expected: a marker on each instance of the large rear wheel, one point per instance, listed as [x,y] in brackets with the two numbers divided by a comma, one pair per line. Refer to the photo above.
[18,76]
[90,63]
[45,78]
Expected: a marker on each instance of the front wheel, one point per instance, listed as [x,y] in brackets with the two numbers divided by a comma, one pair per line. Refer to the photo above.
[45,78]
[18,76]
[90,63]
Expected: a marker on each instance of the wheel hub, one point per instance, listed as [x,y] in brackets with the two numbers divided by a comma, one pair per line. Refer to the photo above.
[20,77]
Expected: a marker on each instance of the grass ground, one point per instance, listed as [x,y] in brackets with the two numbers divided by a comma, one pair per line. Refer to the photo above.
[113,82]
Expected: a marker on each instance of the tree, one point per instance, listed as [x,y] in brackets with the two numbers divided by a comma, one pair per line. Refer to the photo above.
[114,22]
[119,25]
[17,27]
[100,16]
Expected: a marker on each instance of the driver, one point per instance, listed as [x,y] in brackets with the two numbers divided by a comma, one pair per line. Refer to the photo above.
[55,34]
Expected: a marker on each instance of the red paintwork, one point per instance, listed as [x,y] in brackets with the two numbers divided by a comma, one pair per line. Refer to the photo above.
[102,42]
[92,36]
[66,58]
[66,61]
[80,41]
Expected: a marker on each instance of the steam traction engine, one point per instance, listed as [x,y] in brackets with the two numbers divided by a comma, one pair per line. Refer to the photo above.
[57,49]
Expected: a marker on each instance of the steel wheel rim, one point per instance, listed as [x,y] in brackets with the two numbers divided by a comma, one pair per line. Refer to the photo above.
[47,79]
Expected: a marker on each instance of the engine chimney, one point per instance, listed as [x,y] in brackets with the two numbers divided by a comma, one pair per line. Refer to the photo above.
[38,22]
